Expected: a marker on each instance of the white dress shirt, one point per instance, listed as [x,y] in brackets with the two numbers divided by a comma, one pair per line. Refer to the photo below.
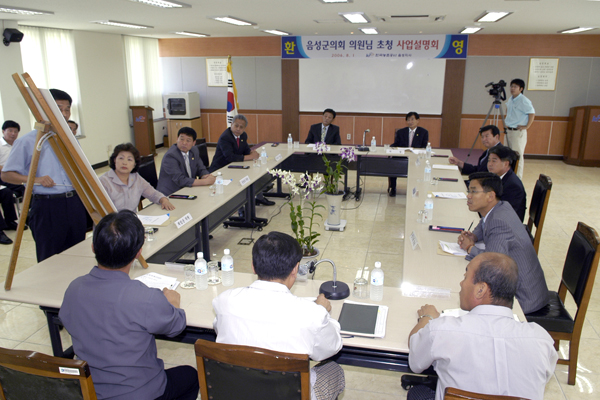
[485,351]
[4,151]
[267,315]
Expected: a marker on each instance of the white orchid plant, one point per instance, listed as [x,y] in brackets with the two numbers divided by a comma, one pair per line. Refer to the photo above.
[333,175]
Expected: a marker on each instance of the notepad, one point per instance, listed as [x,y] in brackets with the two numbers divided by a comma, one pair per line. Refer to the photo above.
[362,319]
[442,166]
[158,281]
[450,195]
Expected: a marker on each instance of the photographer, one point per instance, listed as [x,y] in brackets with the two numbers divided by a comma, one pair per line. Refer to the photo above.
[519,117]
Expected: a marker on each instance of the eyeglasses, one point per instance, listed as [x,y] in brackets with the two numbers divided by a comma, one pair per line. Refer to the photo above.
[476,191]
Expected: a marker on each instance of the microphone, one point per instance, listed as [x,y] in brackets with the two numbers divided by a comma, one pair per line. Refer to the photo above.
[364,135]
[333,290]
[363,147]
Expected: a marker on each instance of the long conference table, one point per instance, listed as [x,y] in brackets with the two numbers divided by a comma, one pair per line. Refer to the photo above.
[44,284]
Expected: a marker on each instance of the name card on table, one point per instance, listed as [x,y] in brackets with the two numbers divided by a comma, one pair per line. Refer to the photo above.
[413,240]
[278,157]
[415,192]
[183,220]
[244,180]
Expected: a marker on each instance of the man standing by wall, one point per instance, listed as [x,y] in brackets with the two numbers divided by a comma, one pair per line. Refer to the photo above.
[519,117]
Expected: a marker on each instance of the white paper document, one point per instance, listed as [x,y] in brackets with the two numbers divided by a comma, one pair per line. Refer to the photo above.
[158,281]
[452,248]
[444,166]
[153,219]
[425,292]
[450,195]
[394,151]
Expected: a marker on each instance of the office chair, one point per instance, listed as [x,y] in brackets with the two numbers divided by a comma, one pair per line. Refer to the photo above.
[203,150]
[147,170]
[578,278]
[27,374]
[457,394]
[538,208]
[257,373]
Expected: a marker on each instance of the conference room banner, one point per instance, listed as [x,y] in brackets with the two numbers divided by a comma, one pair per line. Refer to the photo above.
[390,46]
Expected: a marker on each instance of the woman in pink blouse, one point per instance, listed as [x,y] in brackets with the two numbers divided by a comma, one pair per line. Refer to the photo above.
[125,186]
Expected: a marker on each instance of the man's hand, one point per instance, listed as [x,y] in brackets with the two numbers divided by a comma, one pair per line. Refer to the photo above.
[45,181]
[206,180]
[467,239]
[428,309]
[322,301]
[252,156]
[456,161]
[172,297]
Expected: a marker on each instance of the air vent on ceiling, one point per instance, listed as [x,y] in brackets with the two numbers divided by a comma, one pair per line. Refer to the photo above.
[404,18]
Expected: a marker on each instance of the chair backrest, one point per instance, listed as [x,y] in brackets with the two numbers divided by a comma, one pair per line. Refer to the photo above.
[147,170]
[457,394]
[581,264]
[241,372]
[203,150]
[29,375]
[538,207]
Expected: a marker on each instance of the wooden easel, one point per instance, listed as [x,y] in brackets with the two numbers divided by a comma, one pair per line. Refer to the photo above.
[78,169]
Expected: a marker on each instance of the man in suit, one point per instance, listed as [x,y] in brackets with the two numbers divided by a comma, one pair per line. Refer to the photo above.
[513,192]
[501,231]
[457,347]
[490,137]
[181,166]
[325,132]
[411,136]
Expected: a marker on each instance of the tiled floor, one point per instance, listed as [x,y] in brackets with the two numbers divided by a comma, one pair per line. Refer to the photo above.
[376,233]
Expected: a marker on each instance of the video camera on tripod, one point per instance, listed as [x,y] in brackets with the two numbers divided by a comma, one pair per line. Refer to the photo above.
[497,90]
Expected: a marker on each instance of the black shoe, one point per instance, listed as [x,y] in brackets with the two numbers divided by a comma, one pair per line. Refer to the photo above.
[392,192]
[265,202]
[12,226]
[210,237]
[5,239]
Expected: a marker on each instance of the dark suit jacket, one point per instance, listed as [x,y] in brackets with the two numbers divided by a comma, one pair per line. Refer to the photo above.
[173,175]
[419,141]
[332,136]
[228,150]
[505,233]
[514,193]
[481,166]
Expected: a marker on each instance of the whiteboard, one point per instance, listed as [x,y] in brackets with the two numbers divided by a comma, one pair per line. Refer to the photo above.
[372,85]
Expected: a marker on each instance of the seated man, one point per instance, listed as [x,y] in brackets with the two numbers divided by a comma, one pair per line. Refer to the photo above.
[499,162]
[10,133]
[112,320]
[490,137]
[325,132]
[266,314]
[181,166]
[485,351]
[73,126]
[411,136]
[501,231]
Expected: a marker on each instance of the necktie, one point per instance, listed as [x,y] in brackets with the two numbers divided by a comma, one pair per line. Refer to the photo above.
[323,133]
[411,136]
[238,141]
[187,165]
[484,157]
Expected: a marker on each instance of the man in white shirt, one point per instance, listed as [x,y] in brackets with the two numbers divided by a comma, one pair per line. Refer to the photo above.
[519,117]
[486,350]
[267,315]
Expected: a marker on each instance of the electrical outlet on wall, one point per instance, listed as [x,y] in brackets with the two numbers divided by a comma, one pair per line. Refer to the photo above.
[348,136]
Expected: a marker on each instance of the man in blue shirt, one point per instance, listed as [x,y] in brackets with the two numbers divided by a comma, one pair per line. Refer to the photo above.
[57,217]
[113,319]
[519,117]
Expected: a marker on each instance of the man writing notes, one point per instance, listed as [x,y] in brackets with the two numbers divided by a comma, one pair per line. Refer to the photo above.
[325,132]
[267,315]
[411,136]
[113,319]
[519,117]
[513,192]
[484,351]
[181,166]
[57,218]
[501,231]
[490,137]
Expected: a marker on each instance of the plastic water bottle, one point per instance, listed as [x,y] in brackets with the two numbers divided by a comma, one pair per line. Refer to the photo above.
[219,183]
[429,208]
[377,283]
[428,151]
[227,269]
[290,142]
[200,270]
[263,156]
[373,144]
[427,175]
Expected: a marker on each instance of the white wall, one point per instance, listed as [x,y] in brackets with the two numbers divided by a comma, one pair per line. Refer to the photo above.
[103,89]
[12,105]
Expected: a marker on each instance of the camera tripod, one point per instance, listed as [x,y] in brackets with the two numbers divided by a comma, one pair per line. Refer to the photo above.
[497,113]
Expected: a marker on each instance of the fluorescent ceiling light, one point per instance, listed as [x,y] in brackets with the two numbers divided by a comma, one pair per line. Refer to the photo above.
[369,31]
[470,29]
[340,1]
[355,17]
[577,30]
[234,21]
[122,24]
[162,3]
[492,16]
[193,34]
[276,32]
[23,11]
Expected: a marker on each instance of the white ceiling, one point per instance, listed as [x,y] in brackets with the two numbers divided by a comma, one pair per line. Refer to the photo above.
[298,16]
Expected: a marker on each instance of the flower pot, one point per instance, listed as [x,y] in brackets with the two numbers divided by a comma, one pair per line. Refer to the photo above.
[304,255]
[334,208]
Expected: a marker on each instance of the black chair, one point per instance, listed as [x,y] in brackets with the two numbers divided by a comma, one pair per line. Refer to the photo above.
[147,170]
[537,209]
[578,278]
[227,371]
[203,150]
